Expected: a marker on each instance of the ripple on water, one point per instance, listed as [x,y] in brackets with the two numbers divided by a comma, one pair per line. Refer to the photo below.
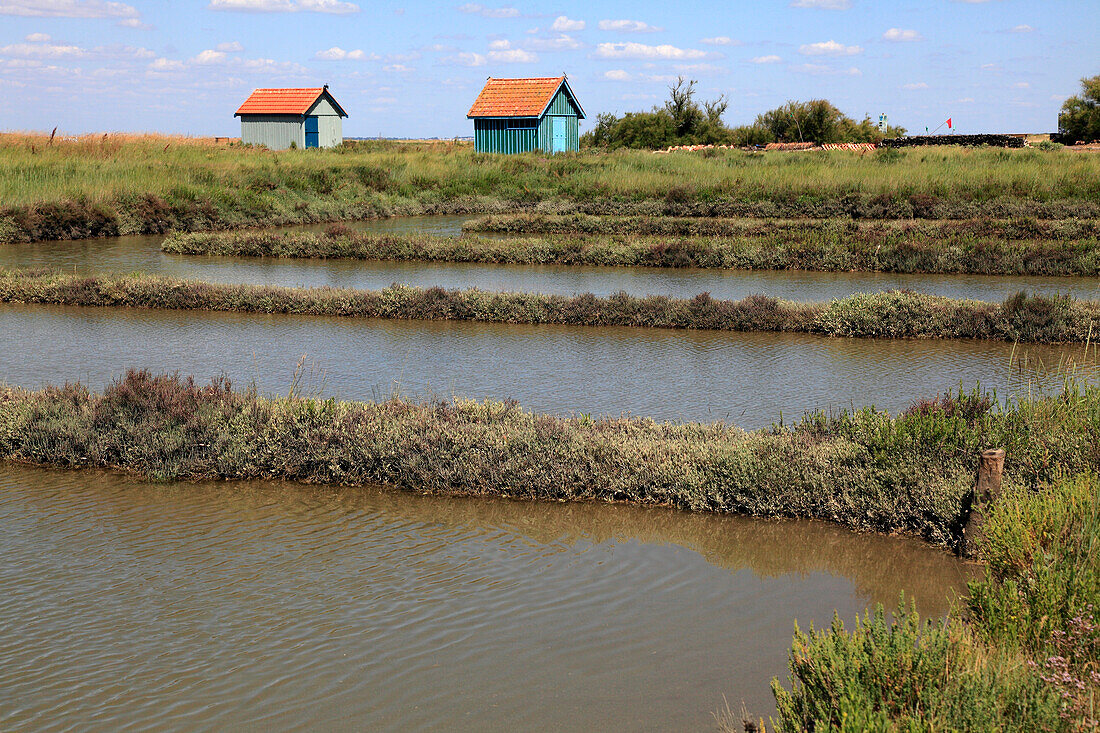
[745,378]
[127,604]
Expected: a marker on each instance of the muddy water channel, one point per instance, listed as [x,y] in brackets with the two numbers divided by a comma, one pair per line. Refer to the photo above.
[269,606]
[125,604]
[749,379]
[130,254]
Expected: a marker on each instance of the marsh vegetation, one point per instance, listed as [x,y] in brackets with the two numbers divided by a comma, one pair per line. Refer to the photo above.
[100,186]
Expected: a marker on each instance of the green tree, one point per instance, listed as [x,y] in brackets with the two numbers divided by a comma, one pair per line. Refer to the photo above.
[819,121]
[1080,116]
[681,121]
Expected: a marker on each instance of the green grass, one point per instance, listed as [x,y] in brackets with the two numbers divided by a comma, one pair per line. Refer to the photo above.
[894,314]
[1002,248]
[1024,655]
[96,186]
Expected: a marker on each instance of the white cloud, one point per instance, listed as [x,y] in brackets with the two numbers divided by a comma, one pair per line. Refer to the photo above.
[397,69]
[770,59]
[719,41]
[822,4]
[822,69]
[44,50]
[500,45]
[828,48]
[336,7]
[642,51]
[166,65]
[484,12]
[1021,29]
[513,56]
[463,59]
[965,100]
[616,75]
[562,23]
[209,56]
[1022,85]
[133,23]
[915,85]
[68,9]
[229,47]
[37,38]
[627,26]
[698,68]
[900,35]
[560,43]
[220,60]
[126,52]
[267,66]
[338,54]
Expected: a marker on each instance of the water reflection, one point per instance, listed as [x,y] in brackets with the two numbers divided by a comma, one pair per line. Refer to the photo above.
[209,606]
[750,379]
[138,253]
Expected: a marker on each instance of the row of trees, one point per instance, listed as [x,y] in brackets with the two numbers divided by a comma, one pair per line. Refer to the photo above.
[684,121]
[1080,117]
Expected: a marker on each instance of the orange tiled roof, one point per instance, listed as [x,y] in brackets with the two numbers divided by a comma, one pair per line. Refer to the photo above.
[280,101]
[515,97]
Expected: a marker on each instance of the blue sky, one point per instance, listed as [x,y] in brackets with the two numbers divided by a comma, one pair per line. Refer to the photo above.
[406,68]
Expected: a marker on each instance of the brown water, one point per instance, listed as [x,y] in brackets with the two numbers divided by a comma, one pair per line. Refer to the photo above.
[127,605]
[130,254]
[750,379]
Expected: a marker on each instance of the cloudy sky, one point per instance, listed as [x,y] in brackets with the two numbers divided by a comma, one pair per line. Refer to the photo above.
[410,68]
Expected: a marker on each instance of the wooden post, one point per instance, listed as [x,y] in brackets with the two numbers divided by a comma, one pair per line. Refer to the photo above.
[987,487]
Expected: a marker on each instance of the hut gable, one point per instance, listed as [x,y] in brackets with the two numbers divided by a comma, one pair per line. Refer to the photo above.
[523,98]
[297,101]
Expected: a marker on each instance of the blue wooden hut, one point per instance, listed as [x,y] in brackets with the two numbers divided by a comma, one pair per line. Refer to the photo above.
[521,115]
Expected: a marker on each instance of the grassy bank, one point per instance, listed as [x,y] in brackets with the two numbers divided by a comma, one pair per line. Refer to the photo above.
[991,248]
[879,231]
[104,186]
[864,469]
[1023,654]
[895,314]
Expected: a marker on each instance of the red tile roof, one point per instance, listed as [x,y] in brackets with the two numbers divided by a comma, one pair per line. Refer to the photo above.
[515,97]
[280,101]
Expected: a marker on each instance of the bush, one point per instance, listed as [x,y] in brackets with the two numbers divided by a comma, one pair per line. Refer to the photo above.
[1080,116]
[902,674]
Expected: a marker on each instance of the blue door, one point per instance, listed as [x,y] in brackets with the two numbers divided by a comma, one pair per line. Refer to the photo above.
[560,142]
[311,132]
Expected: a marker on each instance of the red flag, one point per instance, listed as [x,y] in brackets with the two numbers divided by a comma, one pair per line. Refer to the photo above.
[948,123]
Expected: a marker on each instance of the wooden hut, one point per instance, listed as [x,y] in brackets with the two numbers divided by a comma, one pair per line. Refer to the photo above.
[520,115]
[279,118]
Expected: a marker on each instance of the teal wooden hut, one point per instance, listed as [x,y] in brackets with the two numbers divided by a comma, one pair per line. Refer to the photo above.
[521,115]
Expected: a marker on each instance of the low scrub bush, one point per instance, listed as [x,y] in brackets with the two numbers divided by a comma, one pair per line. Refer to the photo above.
[895,314]
[864,469]
[1022,655]
[1013,247]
